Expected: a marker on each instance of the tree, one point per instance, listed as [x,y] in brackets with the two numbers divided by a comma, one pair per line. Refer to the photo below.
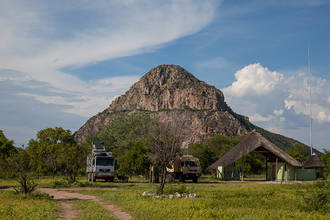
[205,153]
[19,164]
[71,159]
[298,152]
[6,149]
[325,157]
[165,144]
[212,149]
[48,149]
[136,160]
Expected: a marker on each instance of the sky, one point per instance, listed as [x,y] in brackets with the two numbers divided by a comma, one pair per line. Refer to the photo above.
[61,62]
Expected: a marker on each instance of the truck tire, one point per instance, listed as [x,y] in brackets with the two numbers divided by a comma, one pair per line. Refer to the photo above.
[110,179]
[195,179]
[170,178]
[182,179]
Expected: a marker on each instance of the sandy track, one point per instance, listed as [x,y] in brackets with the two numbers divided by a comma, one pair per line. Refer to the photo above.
[67,212]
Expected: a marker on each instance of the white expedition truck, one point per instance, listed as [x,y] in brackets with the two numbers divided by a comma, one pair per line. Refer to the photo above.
[100,164]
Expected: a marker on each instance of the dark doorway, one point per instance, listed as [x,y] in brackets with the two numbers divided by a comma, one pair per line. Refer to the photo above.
[274,172]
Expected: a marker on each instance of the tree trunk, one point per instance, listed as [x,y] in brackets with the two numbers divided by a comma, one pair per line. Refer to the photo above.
[162,181]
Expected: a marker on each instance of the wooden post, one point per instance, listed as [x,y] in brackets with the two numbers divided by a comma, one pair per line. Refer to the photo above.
[232,171]
[243,169]
[276,169]
[286,171]
[266,170]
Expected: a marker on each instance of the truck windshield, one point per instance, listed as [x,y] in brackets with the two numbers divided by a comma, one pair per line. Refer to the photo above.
[191,164]
[104,162]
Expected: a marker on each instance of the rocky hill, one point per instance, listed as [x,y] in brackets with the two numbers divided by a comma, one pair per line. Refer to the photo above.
[173,94]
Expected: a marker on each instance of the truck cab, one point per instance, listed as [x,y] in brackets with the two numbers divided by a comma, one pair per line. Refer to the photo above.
[184,168]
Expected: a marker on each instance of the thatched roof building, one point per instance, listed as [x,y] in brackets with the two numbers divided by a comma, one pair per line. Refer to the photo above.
[257,143]
[314,162]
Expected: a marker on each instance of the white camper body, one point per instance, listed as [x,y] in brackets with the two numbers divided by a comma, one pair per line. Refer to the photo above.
[100,164]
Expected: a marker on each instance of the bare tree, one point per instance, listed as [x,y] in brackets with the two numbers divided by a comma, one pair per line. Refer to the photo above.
[165,143]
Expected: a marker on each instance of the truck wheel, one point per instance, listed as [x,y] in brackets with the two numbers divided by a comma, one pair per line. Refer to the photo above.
[195,179]
[170,178]
[182,179]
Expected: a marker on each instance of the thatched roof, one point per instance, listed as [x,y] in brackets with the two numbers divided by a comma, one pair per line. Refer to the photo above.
[314,162]
[253,141]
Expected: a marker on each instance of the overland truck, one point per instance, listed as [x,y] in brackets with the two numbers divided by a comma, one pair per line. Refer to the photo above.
[184,168]
[100,164]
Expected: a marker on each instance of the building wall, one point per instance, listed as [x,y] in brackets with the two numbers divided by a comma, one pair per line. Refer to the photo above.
[293,173]
[228,173]
[306,174]
[282,175]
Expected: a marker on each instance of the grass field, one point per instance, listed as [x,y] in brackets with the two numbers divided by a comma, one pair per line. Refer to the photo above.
[19,206]
[87,210]
[216,201]
[222,200]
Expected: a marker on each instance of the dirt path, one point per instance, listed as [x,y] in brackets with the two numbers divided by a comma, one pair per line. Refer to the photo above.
[67,211]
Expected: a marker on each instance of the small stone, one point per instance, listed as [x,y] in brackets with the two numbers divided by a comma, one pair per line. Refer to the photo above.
[192,195]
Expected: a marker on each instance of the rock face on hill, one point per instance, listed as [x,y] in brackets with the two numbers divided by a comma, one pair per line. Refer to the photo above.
[174,94]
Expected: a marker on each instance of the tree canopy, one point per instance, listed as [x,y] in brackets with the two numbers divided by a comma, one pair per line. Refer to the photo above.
[55,151]
[212,149]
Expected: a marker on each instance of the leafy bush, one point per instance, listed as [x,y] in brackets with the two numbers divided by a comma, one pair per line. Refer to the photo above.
[61,183]
[26,184]
[172,189]
[64,183]
[316,197]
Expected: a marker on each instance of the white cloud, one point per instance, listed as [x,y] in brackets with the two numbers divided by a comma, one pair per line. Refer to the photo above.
[40,38]
[278,112]
[259,118]
[255,83]
[298,97]
[253,79]
[283,106]
[98,97]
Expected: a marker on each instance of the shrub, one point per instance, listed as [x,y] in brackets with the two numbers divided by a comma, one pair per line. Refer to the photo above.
[316,197]
[61,184]
[172,189]
[26,184]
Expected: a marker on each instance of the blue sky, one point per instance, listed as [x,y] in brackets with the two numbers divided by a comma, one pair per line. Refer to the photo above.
[62,62]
